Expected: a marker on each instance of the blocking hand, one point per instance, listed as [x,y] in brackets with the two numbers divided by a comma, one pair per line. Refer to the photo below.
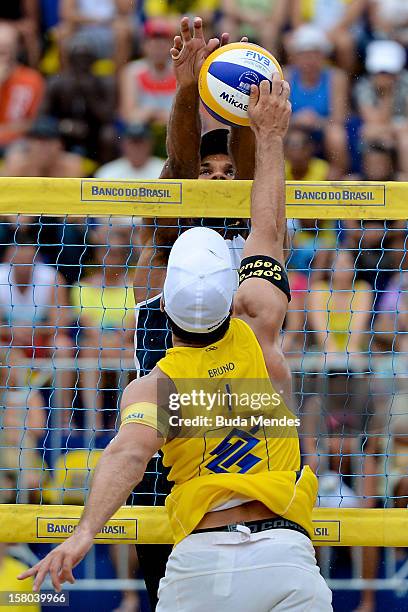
[269,108]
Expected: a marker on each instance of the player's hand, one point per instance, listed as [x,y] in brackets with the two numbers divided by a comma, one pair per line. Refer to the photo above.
[269,109]
[190,50]
[60,562]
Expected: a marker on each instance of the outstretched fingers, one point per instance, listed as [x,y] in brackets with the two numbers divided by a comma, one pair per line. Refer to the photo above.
[185,30]
[225,38]
[177,47]
[198,28]
[54,570]
[28,573]
[211,46]
[40,574]
[66,574]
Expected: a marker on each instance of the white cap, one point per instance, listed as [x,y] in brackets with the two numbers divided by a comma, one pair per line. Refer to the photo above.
[199,284]
[385,56]
[309,38]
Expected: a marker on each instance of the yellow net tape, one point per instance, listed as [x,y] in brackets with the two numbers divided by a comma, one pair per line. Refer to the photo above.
[194,198]
[145,525]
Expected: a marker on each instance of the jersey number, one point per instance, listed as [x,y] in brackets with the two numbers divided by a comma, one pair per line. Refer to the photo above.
[234,452]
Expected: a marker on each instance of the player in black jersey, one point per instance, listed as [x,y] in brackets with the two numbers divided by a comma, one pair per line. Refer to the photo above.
[219,155]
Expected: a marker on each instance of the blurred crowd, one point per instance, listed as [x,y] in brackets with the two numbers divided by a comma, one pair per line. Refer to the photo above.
[93,82]
[86,88]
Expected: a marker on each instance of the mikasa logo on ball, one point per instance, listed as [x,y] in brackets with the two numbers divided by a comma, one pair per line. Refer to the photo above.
[231,100]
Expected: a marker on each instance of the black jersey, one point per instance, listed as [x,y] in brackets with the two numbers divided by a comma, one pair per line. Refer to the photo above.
[152,339]
[152,335]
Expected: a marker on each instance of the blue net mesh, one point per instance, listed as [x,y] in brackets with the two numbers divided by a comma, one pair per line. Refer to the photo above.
[67,340]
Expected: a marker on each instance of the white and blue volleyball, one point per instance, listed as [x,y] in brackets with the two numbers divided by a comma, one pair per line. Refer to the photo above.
[227,75]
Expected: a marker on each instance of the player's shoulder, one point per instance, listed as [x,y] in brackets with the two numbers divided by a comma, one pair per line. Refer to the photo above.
[144,389]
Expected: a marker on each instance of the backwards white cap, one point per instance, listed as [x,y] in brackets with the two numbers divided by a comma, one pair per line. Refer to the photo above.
[199,284]
[385,56]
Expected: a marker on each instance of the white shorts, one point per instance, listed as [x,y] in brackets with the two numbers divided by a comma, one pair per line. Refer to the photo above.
[244,572]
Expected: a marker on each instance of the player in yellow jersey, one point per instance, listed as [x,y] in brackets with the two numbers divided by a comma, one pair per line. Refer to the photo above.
[241,505]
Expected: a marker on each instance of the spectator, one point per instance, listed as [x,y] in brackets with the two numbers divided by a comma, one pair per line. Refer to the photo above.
[260,20]
[386,461]
[379,163]
[396,424]
[137,161]
[22,427]
[374,260]
[295,336]
[336,18]
[301,164]
[339,310]
[21,89]
[391,324]
[104,306]
[147,86]
[319,95]
[42,154]
[170,11]
[33,306]
[24,15]
[312,244]
[389,19]
[382,97]
[84,105]
[333,416]
[62,242]
[105,25]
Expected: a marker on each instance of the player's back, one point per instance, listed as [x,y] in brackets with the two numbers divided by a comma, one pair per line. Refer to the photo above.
[231,434]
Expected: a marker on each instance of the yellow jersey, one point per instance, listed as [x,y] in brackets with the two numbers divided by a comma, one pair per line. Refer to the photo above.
[318,170]
[243,455]
[107,307]
[309,9]
[339,308]
[158,8]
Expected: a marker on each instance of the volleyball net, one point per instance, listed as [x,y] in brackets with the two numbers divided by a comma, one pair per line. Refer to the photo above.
[70,251]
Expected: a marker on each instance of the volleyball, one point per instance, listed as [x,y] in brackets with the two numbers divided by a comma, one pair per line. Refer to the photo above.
[227,75]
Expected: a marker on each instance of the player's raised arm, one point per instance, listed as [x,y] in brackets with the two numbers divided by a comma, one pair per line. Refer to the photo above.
[184,129]
[183,149]
[262,298]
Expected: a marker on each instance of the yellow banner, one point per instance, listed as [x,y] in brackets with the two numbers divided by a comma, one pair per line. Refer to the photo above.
[335,194]
[196,198]
[127,191]
[118,530]
[326,531]
[150,525]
